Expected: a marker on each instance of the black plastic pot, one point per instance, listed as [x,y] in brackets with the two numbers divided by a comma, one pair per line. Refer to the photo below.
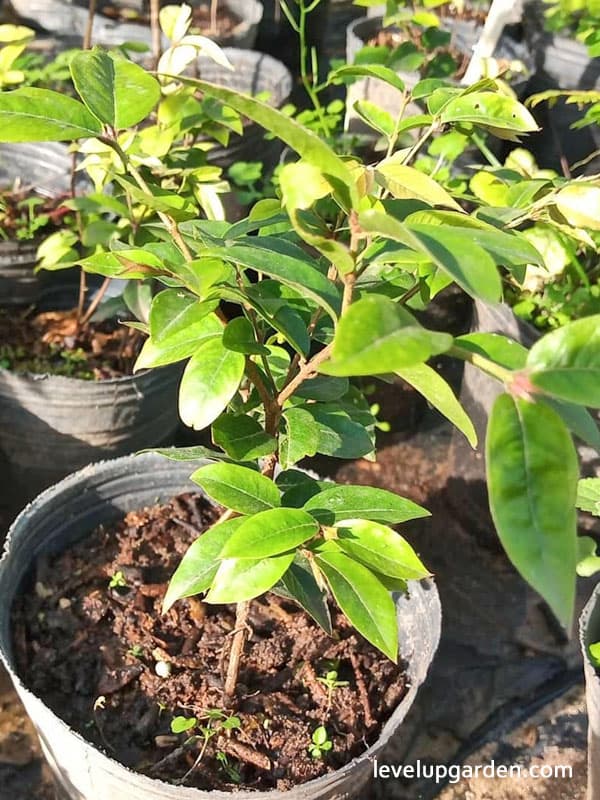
[53,425]
[70,19]
[589,633]
[253,73]
[47,167]
[466,488]
[101,494]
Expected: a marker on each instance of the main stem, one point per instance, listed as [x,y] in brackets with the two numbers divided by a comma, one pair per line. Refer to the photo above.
[155,29]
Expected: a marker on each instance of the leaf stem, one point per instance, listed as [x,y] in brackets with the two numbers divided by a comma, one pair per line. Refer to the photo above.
[477,360]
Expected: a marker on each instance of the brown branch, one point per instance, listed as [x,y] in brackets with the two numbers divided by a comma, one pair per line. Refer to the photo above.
[95,302]
[272,408]
[155,28]
[89,28]
[247,754]
[362,690]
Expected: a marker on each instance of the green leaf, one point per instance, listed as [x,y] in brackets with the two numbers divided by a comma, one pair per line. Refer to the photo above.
[376,335]
[579,203]
[239,336]
[242,437]
[578,420]
[376,71]
[532,476]
[364,600]
[566,362]
[594,650]
[338,503]
[407,183]
[174,311]
[240,579]
[380,548]
[375,117]
[499,113]
[498,348]
[312,148]
[211,378]
[301,438]
[238,488]
[118,92]
[588,563]
[130,263]
[196,453]
[323,388]
[298,487]
[39,115]
[280,260]
[299,584]
[271,532]
[339,435]
[439,393]
[183,724]
[199,565]
[183,343]
[588,495]
[449,249]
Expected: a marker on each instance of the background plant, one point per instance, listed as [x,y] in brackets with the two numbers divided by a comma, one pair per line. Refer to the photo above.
[273,380]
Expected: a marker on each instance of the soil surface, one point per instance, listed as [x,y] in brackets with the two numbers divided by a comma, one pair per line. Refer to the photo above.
[52,342]
[91,653]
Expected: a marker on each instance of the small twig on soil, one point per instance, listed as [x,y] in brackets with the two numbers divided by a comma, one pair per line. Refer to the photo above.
[237,647]
[247,754]
[362,690]
[186,526]
[174,755]
[313,684]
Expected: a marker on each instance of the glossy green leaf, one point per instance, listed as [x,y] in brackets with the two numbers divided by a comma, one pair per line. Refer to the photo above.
[578,420]
[298,487]
[532,473]
[301,437]
[239,336]
[588,495]
[310,146]
[376,335]
[499,113]
[174,311]
[376,71]
[271,532]
[323,388]
[364,600]
[380,548]
[182,344]
[407,182]
[439,393]
[501,349]
[118,92]
[242,437]
[449,249]
[375,117]
[339,435]
[287,264]
[300,585]
[39,115]
[244,579]
[195,453]
[238,488]
[211,378]
[131,263]
[566,362]
[339,502]
[200,563]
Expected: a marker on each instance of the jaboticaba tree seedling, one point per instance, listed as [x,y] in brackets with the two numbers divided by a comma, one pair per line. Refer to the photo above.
[324,281]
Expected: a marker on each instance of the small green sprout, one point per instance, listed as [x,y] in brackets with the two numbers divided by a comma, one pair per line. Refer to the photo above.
[183,724]
[232,773]
[137,651]
[118,581]
[320,742]
[330,680]
[217,722]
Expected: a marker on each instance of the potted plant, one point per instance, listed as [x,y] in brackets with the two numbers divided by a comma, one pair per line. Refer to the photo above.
[232,23]
[273,383]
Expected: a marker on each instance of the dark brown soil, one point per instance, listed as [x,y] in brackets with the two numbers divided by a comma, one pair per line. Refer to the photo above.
[90,652]
[226,21]
[26,216]
[53,343]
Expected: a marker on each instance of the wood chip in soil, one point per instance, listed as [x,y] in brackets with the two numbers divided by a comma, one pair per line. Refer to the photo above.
[90,653]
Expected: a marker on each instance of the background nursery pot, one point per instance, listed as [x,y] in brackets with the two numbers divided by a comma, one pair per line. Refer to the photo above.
[51,425]
[589,633]
[102,493]
[467,490]
[47,167]
[70,19]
